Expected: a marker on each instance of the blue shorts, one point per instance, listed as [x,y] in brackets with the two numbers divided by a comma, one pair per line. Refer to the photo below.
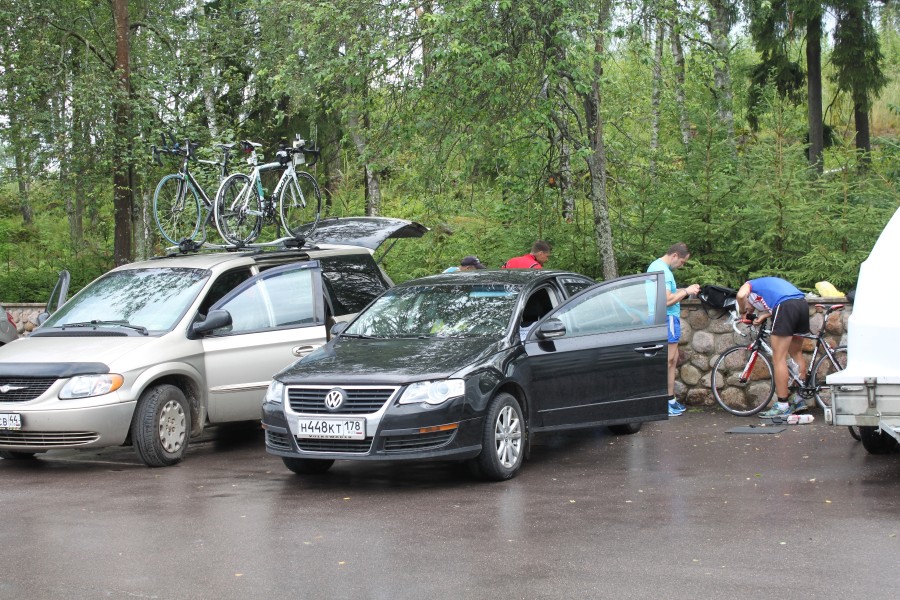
[674,327]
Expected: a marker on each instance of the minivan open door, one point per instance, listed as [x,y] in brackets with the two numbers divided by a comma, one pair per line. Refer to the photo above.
[58,296]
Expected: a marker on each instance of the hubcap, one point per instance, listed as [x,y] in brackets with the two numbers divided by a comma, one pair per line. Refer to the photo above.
[172,429]
[508,437]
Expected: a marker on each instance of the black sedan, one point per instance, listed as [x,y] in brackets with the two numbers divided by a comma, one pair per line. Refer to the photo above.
[471,365]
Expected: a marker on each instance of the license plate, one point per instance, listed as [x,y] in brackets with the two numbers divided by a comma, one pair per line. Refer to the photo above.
[349,428]
[10,421]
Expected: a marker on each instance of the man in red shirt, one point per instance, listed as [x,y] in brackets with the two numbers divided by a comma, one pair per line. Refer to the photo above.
[540,253]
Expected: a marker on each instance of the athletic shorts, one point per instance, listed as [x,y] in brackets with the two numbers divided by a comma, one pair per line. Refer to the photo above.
[674,327]
[791,317]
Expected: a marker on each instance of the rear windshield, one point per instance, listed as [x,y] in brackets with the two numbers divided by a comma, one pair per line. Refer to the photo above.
[151,298]
[352,282]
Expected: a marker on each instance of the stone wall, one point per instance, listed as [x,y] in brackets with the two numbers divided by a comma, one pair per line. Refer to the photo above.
[24,316]
[704,337]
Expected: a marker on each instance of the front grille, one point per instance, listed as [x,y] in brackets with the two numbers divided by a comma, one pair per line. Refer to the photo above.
[279,441]
[48,438]
[418,441]
[316,445]
[29,388]
[359,400]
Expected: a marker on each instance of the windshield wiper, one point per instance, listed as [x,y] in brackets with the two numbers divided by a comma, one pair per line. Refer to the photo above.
[94,323]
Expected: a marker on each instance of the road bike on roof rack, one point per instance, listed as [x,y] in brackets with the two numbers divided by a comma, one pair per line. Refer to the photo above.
[181,207]
[242,206]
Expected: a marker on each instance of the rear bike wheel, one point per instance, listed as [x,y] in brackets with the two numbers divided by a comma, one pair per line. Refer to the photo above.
[742,381]
[238,211]
[300,204]
[176,208]
[825,366]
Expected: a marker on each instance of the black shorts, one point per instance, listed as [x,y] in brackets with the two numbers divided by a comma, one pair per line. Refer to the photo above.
[791,317]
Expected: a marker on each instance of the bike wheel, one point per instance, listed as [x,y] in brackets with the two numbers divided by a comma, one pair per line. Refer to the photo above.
[176,208]
[742,381]
[300,204]
[825,367]
[238,212]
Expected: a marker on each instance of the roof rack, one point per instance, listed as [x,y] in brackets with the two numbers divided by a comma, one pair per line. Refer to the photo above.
[187,247]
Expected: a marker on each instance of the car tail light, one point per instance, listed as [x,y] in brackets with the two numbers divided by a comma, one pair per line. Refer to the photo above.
[10,319]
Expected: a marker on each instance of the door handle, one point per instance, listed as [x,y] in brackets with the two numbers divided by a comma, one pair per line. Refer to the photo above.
[302,350]
[649,350]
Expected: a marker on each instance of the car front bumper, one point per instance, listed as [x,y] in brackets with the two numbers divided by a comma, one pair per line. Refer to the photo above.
[396,433]
[75,424]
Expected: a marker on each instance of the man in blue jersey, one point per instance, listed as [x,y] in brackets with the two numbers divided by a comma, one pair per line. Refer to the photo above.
[675,258]
[774,297]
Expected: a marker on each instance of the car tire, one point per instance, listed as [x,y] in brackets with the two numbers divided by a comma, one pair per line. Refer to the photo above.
[15,455]
[625,428]
[161,427]
[306,466]
[503,441]
[876,441]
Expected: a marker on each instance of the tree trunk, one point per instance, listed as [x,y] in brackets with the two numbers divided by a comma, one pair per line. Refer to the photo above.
[719,28]
[20,157]
[655,95]
[123,199]
[678,56]
[373,186]
[814,92]
[861,120]
[596,159]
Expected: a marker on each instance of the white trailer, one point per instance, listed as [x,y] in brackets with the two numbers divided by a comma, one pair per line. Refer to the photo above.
[867,393]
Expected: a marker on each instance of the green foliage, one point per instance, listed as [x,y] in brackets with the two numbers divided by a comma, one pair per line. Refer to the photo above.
[460,112]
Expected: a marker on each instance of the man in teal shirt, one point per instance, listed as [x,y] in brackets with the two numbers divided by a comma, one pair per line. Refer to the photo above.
[675,258]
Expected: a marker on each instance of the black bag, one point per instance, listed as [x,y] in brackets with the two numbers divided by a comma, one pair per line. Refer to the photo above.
[718,297]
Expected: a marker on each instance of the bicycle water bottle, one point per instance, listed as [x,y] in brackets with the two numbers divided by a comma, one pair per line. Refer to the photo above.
[799,419]
[793,368]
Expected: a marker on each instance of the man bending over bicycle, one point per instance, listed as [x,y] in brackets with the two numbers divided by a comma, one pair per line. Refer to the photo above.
[774,297]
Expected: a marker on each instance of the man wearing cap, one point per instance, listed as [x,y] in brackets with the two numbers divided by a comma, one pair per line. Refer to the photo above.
[469,263]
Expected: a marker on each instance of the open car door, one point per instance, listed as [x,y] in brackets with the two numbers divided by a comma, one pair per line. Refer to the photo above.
[600,357]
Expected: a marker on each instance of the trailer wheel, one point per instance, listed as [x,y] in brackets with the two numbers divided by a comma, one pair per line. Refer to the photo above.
[876,441]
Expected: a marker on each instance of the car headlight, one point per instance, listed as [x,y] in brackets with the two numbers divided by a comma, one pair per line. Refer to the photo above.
[433,392]
[87,386]
[275,393]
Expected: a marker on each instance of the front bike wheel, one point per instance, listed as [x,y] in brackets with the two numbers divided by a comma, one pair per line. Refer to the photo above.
[825,366]
[300,204]
[743,381]
[176,208]
[238,212]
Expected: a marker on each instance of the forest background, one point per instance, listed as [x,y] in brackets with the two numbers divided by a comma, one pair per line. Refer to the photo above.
[763,133]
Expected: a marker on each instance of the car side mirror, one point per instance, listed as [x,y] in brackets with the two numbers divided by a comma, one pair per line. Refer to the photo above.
[551,329]
[338,328]
[216,319]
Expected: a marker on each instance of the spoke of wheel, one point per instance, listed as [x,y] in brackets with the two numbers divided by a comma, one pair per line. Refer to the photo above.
[508,436]
[171,426]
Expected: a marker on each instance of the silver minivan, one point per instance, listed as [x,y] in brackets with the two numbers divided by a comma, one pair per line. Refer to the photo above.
[152,352]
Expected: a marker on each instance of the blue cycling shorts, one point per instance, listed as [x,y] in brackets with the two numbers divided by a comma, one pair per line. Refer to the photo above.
[674,328]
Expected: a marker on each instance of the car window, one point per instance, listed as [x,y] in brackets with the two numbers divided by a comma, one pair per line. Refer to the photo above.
[539,304]
[278,299]
[224,284]
[626,306]
[152,298]
[352,282]
[573,285]
[438,311]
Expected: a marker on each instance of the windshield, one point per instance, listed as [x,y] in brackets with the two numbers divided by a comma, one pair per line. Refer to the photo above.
[151,298]
[438,311]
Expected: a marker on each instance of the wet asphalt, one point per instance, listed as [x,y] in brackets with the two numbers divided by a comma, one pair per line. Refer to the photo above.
[680,510]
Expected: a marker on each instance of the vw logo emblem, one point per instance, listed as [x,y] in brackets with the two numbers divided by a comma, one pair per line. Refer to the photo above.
[334,399]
